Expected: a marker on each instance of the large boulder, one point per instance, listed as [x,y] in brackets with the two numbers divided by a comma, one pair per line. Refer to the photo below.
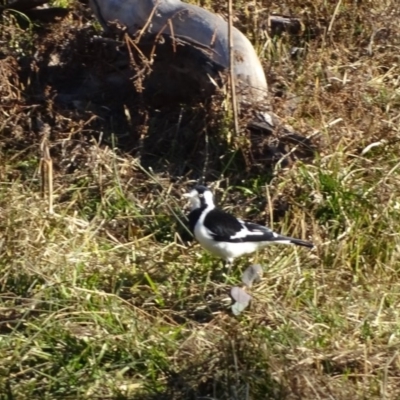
[204,31]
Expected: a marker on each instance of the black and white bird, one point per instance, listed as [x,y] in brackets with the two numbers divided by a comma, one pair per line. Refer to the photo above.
[224,235]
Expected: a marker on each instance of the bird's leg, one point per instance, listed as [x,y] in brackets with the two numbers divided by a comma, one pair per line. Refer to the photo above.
[228,266]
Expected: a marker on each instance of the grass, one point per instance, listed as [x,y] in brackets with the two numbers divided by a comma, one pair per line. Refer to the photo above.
[106,298]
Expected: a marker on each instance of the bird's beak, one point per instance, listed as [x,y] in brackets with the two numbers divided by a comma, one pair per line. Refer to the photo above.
[187,195]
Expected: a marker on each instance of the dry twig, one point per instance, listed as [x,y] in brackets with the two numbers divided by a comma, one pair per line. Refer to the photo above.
[46,168]
[231,69]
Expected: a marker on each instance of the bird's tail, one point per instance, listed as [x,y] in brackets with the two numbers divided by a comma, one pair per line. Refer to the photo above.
[290,240]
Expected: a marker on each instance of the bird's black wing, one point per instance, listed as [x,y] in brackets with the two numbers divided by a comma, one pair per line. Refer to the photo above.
[221,225]
[257,233]
[260,233]
[224,227]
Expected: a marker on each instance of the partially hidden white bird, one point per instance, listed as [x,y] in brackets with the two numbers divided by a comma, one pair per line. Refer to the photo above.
[226,236]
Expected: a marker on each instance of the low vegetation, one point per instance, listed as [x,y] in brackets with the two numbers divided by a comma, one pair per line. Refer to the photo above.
[106,297]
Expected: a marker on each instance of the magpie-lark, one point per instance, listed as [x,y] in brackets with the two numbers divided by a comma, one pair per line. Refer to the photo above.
[224,235]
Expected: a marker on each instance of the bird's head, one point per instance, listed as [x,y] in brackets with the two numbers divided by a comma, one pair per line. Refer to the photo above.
[200,196]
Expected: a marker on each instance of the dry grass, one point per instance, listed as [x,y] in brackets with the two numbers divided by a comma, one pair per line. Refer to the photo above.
[104,299]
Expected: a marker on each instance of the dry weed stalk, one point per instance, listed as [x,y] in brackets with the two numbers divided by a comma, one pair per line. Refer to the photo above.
[46,168]
[231,69]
